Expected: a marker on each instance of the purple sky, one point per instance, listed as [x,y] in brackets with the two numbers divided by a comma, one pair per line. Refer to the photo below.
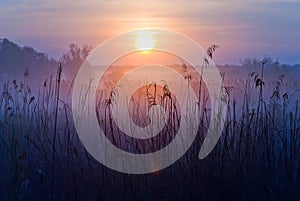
[242,28]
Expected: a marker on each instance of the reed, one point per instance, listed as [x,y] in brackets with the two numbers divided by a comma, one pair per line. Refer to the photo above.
[41,157]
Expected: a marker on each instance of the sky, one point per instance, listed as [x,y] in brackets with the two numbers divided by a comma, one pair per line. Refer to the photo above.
[249,28]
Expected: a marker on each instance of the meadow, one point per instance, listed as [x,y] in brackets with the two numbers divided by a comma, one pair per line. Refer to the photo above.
[257,157]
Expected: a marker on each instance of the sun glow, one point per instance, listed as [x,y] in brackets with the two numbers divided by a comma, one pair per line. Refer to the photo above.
[144,41]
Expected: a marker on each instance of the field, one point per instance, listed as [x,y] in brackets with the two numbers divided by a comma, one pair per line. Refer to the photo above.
[257,157]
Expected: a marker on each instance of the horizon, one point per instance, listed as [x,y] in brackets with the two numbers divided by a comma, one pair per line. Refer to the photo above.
[241,29]
[131,56]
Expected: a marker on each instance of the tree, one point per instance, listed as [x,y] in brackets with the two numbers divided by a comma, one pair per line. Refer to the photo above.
[72,60]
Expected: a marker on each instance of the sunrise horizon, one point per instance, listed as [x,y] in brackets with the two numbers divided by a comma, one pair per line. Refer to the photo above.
[249,29]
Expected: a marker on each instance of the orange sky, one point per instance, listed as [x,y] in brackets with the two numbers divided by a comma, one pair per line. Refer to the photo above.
[250,28]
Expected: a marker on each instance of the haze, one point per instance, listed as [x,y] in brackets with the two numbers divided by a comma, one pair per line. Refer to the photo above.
[242,28]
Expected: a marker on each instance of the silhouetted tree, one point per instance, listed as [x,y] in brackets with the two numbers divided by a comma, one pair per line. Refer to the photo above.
[72,60]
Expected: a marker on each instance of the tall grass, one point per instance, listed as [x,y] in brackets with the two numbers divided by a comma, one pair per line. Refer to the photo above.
[257,157]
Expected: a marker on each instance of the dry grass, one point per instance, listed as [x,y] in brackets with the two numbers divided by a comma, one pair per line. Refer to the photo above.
[257,157]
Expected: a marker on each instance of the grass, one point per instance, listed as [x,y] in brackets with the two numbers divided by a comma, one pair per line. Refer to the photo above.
[257,157]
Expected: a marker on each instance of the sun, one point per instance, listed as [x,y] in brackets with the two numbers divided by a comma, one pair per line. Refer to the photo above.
[144,41]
